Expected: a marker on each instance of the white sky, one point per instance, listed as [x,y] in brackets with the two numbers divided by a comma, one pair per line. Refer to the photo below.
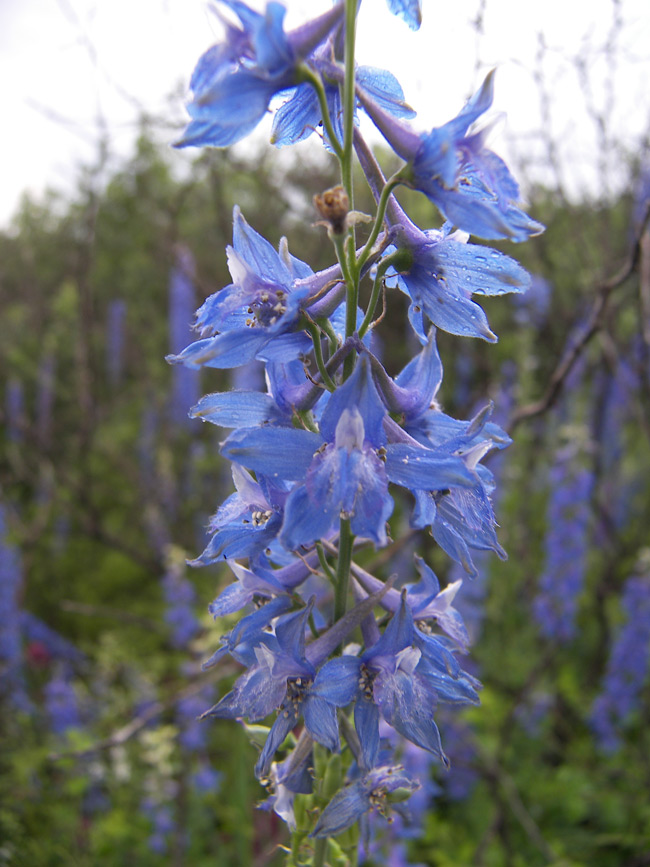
[66,63]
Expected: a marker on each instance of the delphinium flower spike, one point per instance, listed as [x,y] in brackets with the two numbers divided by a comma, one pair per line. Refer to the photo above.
[321,455]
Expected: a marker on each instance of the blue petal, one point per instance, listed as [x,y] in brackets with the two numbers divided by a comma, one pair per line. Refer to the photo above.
[237,409]
[425,469]
[354,484]
[366,722]
[321,722]
[272,50]
[445,306]
[424,510]
[258,253]
[358,391]
[385,90]
[297,118]
[399,633]
[452,544]
[336,681]
[285,347]
[290,632]
[254,696]
[420,380]
[283,724]
[279,452]
[480,270]
[304,520]
[474,209]
[409,11]
[343,810]
[228,110]
[227,350]
[407,704]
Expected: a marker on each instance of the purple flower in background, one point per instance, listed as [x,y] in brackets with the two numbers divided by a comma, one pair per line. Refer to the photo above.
[61,703]
[163,825]
[193,734]
[532,307]
[182,303]
[57,647]
[566,544]
[180,597]
[15,409]
[627,667]
[45,397]
[12,682]
[115,340]
[206,779]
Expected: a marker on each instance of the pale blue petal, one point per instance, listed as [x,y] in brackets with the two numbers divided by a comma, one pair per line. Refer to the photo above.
[277,452]
[237,409]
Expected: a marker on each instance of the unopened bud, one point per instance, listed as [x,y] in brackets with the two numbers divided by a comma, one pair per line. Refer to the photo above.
[333,206]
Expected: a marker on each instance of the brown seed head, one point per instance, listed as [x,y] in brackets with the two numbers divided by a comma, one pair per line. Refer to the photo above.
[333,206]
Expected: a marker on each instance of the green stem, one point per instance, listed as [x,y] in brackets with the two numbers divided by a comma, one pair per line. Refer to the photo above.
[376,289]
[343,569]
[341,254]
[308,75]
[325,566]
[382,204]
[320,847]
[314,330]
[326,327]
[349,97]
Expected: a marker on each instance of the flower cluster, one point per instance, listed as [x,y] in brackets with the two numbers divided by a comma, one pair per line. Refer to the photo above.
[324,455]
[566,544]
[627,666]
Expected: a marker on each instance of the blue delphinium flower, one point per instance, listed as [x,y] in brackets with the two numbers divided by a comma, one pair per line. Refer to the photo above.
[281,671]
[403,676]
[444,272]
[345,469]
[439,271]
[280,678]
[341,470]
[425,599]
[627,667]
[300,115]
[469,183]
[289,778]
[370,792]
[460,514]
[566,546]
[234,81]
[256,315]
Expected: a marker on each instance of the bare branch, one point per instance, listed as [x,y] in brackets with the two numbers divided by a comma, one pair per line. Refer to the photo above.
[575,345]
